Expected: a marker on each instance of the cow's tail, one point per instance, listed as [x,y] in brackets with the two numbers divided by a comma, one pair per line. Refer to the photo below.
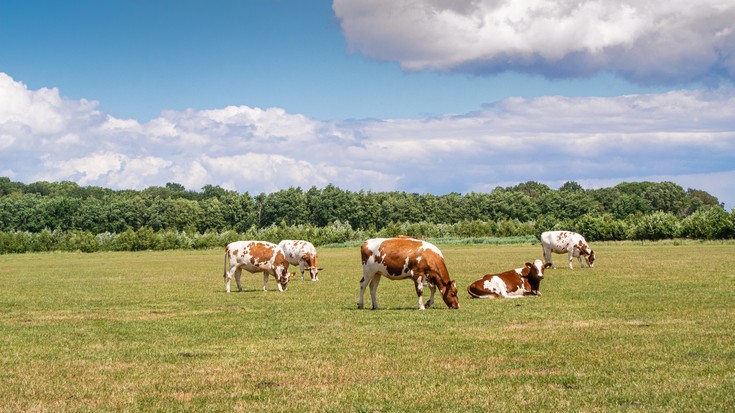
[227,256]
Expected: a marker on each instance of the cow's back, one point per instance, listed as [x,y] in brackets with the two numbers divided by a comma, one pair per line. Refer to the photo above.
[558,241]
[255,256]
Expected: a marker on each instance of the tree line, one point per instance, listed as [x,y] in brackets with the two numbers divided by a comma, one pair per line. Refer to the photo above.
[65,215]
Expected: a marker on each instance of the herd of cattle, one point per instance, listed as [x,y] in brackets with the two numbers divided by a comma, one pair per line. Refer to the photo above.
[399,258]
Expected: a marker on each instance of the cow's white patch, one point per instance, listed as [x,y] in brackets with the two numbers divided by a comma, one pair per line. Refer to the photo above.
[428,246]
[495,286]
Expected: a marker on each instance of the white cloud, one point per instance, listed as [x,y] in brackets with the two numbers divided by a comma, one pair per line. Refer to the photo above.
[138,172]
[682,135]
[6,141]
[657,41]
[86,170]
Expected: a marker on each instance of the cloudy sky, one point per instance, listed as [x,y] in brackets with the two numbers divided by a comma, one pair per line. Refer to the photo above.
[420,96]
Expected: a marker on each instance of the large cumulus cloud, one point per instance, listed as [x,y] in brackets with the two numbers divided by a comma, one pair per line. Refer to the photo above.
[649,42]
[684,136]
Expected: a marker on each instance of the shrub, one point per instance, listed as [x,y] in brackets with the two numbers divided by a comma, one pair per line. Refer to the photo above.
[711,222]
[656,226]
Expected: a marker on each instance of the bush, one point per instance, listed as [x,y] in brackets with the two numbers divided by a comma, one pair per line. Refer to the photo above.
[711,222]
[656,226]
[76,240]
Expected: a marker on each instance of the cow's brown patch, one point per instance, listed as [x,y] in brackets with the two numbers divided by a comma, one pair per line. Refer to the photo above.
[366,253]
[394,253]
[260,252]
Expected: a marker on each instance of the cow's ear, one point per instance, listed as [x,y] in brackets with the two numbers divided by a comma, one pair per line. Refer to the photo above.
[548,265]
[528,265]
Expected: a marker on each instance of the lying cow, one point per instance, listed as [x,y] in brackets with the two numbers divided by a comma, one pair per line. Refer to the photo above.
[405,257]
[561,242]
[255,256]
[510,284]
[303,254]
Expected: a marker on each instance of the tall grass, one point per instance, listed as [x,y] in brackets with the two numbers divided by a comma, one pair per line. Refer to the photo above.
[648,329]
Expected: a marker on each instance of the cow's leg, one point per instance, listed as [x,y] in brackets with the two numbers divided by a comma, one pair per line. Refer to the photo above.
[432,288]
[579,258]
[571,259]
[228,278]
[238,272]
[374,289]
[419,284]
[278,279]
[301,267]
[363,283]
[547,256]
[265,281]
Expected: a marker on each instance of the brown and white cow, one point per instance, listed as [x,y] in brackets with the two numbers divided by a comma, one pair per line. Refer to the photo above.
[561,242]
[303,254]
[512,283]
[406,257]
[255,256]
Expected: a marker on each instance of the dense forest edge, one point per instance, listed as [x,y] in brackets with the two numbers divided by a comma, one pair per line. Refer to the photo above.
[64,216]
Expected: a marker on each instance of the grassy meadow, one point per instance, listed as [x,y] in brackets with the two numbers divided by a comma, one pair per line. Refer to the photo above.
[650,328]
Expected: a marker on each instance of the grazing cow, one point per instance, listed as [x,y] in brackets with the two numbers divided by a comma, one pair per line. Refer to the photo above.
[510,284]
[255,256]
[569,242]
[406,257]
[303,254]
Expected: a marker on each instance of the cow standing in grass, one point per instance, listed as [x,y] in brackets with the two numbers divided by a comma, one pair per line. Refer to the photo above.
[255,256]
[512,283]
[405,257]
[567,242]
[303,254]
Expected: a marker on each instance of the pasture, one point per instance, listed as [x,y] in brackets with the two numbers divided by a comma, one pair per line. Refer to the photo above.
[650,328]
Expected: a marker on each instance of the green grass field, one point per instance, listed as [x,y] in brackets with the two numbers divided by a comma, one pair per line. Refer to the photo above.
[651,328]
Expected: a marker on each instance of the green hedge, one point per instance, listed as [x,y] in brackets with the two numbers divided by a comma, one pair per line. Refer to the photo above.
[707,223]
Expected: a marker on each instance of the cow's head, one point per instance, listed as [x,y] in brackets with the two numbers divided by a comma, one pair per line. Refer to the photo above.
[590,259]
[449,294]
[283,281]
[536,274]
[315,272]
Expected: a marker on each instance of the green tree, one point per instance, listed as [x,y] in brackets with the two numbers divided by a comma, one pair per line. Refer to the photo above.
[286,205]
[571,186]
[511,205]
[531,188]
[697,199]
[630,204]
[667,197]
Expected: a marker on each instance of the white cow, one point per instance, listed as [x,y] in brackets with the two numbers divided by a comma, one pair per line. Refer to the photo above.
[255,256]
[568,242]
[303,254]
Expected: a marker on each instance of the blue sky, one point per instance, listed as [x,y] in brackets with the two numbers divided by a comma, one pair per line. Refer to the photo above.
[418,96]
